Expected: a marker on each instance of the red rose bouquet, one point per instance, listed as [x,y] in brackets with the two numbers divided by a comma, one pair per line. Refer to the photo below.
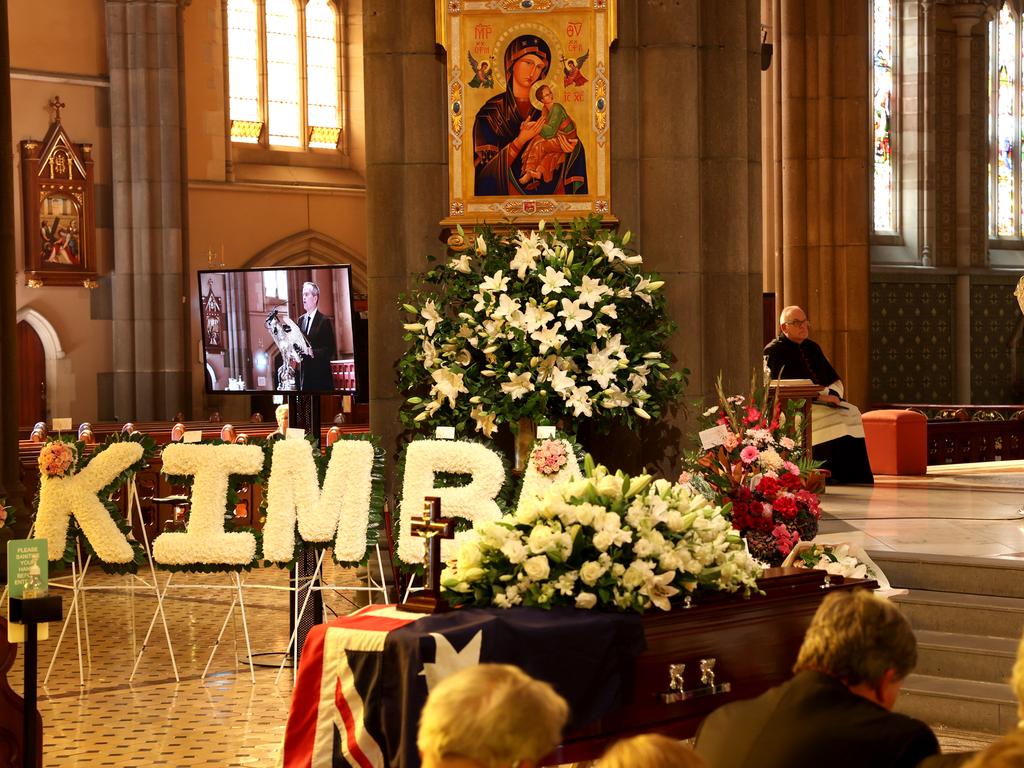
[752,461]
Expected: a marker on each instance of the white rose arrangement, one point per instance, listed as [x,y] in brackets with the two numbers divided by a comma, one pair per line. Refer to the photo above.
[606,541]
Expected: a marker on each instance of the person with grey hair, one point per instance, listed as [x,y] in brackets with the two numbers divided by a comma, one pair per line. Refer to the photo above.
[837,431]
[490,716]
[838,705]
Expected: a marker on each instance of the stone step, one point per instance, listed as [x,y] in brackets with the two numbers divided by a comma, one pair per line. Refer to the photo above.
[947,573]
[965,657]
[966,614]
[963,704]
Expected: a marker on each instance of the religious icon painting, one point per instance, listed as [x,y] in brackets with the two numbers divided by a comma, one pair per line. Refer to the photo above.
[57,200]
[213,320]
[529,136]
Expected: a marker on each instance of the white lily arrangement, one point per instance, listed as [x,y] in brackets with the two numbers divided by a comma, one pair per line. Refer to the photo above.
[606,541]
[554,324]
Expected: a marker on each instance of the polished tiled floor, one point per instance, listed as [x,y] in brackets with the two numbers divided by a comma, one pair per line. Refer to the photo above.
[224,720]
[227,720]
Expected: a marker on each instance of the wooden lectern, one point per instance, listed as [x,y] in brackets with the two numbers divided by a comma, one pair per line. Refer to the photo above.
[798,389]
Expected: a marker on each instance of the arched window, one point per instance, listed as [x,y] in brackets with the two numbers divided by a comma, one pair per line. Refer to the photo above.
[1005,125]
[884,187]
[284,74]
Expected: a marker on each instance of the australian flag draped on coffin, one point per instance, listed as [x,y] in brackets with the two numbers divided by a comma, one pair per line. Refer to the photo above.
[364,678]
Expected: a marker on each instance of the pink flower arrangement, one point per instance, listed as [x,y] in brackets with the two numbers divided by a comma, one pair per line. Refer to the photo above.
[759,470]
[57,459]
[549,457]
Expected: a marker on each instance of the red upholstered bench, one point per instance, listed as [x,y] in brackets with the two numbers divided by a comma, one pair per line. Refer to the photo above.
[897,442]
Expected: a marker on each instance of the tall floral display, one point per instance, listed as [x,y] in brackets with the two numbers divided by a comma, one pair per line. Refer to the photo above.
[559,324]
[753,459]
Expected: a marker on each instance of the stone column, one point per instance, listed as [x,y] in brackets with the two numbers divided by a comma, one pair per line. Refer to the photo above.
[687,181]
[406,181]
[965,16]
[825,145]
[926,138]
[149,282]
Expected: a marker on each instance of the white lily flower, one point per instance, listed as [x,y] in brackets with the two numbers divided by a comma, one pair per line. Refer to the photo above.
[554,281]
[574,314]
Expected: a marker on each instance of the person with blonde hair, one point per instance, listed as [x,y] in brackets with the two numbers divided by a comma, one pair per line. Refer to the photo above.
[490,716]
[650,750]
[1007,752]
[853,660]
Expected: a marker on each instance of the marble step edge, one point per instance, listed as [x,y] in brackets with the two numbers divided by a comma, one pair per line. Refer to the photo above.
[881,556]
[981,645]
[955,688]
[961,600]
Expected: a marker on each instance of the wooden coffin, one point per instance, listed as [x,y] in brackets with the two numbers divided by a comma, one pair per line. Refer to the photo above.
[754,643]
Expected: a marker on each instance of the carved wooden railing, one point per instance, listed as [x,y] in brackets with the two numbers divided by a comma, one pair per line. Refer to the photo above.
[970,433]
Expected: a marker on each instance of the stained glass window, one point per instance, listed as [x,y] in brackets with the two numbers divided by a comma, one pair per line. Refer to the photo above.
[1005,125]
[284,72]
[322,74]
[883,50]
[244,71]
[284,92]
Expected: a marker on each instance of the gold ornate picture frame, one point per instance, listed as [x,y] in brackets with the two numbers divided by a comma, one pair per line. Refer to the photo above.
[57,202]
[528,109]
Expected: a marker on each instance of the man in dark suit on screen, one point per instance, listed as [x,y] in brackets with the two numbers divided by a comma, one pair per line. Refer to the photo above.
[837,708]
[315,372]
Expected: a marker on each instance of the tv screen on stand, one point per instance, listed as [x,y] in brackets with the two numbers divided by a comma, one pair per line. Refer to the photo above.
[280,330]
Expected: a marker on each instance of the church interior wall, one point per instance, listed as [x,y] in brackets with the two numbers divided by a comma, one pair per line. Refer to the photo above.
[72,65]
[916,308]
[243,200]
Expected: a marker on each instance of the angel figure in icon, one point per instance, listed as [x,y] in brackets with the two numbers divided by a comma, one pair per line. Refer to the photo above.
[483,72]
[573,69]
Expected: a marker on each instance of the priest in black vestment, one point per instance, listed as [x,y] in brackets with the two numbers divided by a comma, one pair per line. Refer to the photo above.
[837,433]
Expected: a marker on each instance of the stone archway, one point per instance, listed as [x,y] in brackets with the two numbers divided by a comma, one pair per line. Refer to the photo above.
[312,247]
[58,383]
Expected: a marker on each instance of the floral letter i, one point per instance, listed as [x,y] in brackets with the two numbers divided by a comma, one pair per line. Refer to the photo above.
[205,542]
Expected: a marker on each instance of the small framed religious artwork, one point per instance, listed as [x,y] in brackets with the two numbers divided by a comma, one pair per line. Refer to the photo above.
[213,320]
[528,110]
[57,200]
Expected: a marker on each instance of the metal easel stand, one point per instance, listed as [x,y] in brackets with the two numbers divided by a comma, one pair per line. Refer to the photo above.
[79,588]
[136,505]
[315,584]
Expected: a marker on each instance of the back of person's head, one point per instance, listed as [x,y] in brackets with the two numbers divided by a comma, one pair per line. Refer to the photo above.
[650,750]
[1017,682]
[494,715]
[855,637]
[1008,752]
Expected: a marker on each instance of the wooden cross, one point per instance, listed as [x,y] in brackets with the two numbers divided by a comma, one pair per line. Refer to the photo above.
[57,105]
[431,527]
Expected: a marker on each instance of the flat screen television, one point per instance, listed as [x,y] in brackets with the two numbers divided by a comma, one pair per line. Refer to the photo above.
[280,330]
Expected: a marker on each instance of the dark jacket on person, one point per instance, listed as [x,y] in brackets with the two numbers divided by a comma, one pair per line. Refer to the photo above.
[799,361]
[812,719]
[315,372]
